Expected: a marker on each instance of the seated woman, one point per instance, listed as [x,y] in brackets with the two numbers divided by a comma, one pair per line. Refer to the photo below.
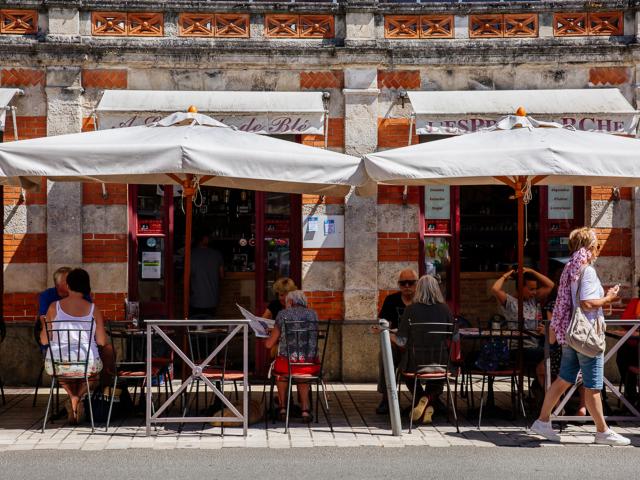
[280,288]
[428,307]
[73,313]
[303,348]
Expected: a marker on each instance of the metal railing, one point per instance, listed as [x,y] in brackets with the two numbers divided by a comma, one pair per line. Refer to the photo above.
[198,371]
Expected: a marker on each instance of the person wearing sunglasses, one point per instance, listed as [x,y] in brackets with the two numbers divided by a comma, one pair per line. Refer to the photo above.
[392,310]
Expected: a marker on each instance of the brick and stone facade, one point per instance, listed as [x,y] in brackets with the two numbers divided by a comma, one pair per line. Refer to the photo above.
[364,54]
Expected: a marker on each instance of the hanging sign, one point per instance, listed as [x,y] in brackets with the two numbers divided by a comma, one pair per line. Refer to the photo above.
[151,265]
[267,123]
[428,125]
[437,202]
[560,202]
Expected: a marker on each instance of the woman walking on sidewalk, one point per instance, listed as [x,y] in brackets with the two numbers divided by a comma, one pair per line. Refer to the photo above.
[584,248]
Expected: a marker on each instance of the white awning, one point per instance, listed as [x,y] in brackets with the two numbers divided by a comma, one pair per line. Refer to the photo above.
[459,112]
[6,95]
[274,113]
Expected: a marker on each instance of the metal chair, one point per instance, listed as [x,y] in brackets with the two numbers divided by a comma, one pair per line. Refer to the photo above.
[68,351]
[505,369]
[429,348]
[298,334]
[3,335]
[131,366]
[201,344]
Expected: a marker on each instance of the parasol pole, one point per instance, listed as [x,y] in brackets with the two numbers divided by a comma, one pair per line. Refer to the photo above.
[188,191]
[520,198]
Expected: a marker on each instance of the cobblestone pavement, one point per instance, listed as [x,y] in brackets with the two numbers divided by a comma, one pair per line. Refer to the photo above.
[352,409]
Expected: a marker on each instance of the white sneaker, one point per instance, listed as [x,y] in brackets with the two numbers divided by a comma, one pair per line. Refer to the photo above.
[544,429]
[611,438]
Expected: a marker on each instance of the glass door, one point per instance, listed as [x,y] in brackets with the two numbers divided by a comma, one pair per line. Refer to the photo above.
[278,243]
[150,249]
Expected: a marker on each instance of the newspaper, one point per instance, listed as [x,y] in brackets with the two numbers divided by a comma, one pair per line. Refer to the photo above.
[260,325]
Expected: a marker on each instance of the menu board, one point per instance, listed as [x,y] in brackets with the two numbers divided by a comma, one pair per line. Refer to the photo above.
[560,202]
[437,202]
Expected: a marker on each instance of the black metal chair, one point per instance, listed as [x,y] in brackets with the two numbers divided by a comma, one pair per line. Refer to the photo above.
[495,362]
[298,334]
[3,335]
[429,348]
[130,348]
[68,352]
[201,344]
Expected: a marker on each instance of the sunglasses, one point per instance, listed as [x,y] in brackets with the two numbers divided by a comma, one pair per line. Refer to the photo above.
[407,283]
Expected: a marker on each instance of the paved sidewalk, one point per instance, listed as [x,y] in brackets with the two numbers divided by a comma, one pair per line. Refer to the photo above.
[352,410]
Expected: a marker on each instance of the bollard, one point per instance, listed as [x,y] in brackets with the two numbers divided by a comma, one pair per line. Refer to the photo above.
[390,379]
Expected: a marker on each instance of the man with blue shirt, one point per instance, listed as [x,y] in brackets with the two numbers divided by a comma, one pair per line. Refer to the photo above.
[51,295]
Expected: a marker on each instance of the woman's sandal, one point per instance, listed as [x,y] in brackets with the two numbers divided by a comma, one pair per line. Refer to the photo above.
[282,414]
[306,416]
[418,411]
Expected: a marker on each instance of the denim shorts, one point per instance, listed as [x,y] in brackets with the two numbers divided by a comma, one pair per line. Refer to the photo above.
[573,362]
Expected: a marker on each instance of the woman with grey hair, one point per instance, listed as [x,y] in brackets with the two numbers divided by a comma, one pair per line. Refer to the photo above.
[295,347]
[428,307]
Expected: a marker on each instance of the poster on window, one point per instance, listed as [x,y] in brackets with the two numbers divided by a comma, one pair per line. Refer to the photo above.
[437,202]
[151,265]
[560,201]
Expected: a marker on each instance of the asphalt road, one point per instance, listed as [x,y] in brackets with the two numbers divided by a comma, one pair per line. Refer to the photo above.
[327,463]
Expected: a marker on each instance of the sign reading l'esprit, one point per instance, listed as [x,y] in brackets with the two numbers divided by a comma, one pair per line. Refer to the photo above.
[267,124]
[459,126]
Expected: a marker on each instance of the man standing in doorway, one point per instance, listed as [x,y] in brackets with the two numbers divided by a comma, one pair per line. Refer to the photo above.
[392,309]
[207,269]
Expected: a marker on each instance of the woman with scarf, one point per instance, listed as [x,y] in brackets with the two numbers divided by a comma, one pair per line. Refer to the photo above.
[584,248]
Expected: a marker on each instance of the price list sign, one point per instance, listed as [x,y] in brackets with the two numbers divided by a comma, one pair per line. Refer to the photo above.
[560,201]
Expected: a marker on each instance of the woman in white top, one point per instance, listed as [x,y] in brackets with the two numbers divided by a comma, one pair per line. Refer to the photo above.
[579,273]
[74,313]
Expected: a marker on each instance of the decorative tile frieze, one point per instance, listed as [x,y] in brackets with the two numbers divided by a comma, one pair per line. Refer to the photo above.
[112,24]
[18,22]
[232,25]
[436,26]
[418,26]
[401,26]
[520,25]
[582,24]
[196,25]
[224,25]
[121,24]
[570,24]
[145,24]
[486,26]
[606,23]
[299,26]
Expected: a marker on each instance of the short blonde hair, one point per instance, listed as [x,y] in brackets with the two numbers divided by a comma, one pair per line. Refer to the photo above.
[284,285]
[428,291]
[59,273]
[584,237]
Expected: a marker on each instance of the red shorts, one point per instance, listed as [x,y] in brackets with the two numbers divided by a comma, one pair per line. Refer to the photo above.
[281,367]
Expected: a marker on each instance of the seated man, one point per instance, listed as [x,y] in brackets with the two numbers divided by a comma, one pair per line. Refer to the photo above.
[535,291]
[49,296]
[392,310]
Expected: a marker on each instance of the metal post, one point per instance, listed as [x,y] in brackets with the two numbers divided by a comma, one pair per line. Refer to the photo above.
[390,379]
[148,392]
[245,381]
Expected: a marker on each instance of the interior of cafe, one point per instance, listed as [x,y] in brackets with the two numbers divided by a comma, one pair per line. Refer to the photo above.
[470,238]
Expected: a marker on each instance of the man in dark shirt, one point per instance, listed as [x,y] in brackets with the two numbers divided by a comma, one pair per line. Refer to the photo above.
[392,310]
[207,268]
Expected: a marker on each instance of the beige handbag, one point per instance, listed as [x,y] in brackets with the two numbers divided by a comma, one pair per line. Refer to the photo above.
[584,336]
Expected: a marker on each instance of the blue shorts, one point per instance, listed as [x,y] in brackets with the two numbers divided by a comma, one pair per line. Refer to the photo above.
[573,362]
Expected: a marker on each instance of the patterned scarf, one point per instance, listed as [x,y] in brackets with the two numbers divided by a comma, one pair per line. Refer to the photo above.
[563,307]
